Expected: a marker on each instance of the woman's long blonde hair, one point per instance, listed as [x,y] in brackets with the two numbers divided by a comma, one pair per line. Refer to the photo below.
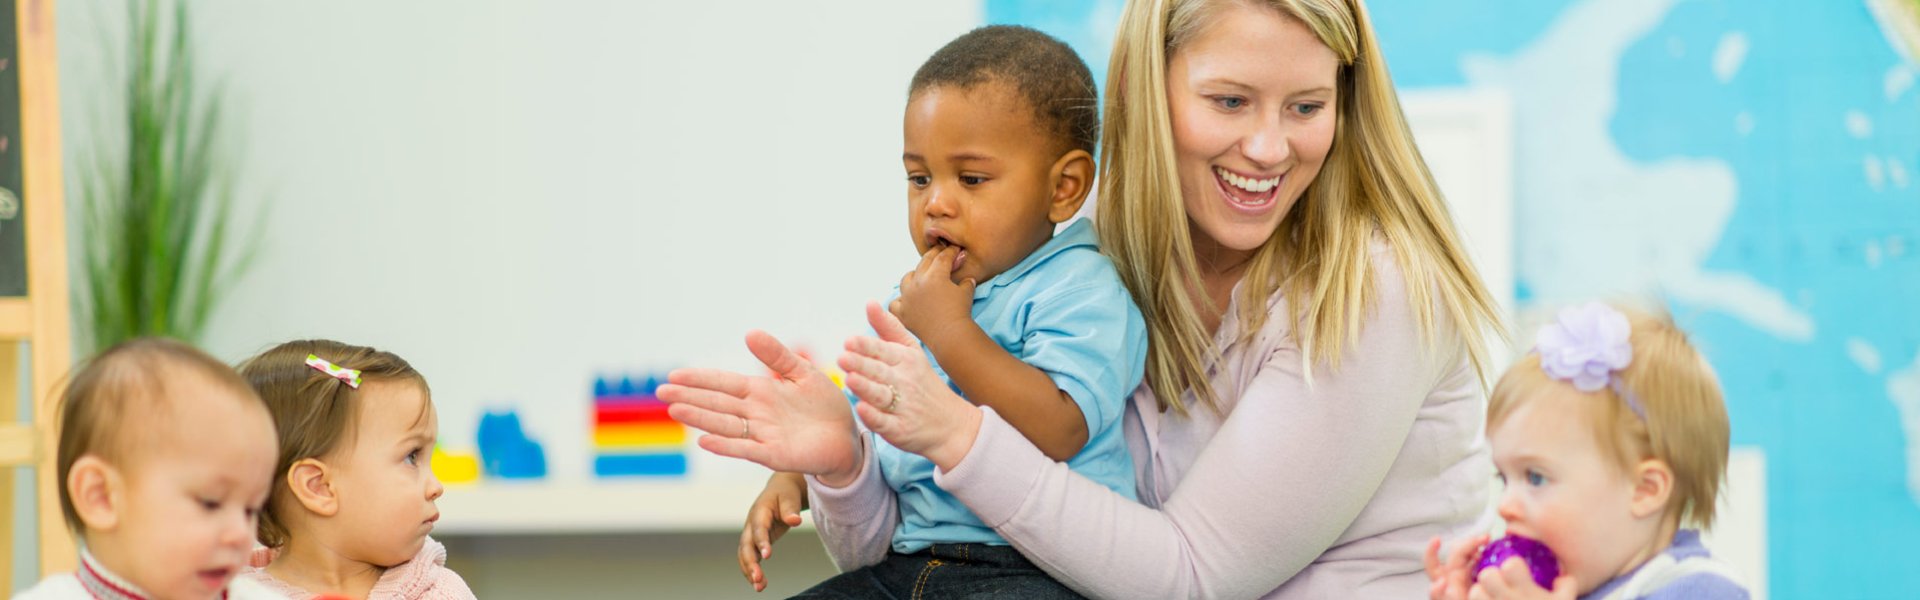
[1373,178]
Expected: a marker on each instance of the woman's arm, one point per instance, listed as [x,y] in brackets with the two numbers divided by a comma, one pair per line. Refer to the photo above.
[856,521]
[1285,474]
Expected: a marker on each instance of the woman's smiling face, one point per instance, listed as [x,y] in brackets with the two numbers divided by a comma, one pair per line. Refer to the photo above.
[1252,98]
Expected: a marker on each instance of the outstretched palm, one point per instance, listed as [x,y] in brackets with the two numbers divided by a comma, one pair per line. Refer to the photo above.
[795,421]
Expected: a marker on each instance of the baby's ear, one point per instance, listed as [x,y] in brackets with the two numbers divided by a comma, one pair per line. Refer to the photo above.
[1652,486]
[311,481]
[97,491]
[1072,178]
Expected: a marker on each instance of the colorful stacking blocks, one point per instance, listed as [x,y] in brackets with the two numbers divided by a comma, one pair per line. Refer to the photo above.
[632,434]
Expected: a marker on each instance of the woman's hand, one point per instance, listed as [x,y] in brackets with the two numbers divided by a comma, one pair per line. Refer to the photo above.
[772,514]
[902,399]
[796,421]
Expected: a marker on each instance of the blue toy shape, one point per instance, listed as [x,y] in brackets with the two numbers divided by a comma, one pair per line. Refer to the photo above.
[506,451]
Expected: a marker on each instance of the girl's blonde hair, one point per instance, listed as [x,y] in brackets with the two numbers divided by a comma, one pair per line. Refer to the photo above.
[313,411]
[1685,423]
[1374,179]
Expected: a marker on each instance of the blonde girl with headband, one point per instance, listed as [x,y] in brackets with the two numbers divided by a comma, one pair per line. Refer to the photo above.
[353,494]
[1611,439]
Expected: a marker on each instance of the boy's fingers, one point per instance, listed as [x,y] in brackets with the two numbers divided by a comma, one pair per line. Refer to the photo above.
[790,510]
[887,324]
[747,561]
[759,533]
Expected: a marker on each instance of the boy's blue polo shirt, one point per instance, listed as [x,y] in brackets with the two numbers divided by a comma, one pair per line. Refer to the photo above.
[1062,310]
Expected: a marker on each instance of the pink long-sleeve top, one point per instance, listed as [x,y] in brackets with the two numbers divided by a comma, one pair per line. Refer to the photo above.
[426,577]
[1328,490]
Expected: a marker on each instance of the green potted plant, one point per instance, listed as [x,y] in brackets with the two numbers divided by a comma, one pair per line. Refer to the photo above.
[157,241]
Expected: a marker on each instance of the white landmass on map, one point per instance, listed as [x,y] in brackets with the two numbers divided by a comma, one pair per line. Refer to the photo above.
[1642,228]
[1903,388]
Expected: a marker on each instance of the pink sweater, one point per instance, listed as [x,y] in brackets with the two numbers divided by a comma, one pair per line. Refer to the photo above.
[426,577]
[1323,491]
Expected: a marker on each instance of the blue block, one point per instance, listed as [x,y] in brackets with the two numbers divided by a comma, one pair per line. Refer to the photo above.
[506,451]
[610,465]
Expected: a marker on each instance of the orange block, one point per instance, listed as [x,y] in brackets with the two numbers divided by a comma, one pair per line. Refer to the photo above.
[639,435]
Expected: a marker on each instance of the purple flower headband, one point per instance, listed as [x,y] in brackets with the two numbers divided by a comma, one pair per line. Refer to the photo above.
[1587,346]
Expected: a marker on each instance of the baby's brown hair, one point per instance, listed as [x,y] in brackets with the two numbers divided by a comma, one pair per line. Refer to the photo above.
[312,410]
[119,397]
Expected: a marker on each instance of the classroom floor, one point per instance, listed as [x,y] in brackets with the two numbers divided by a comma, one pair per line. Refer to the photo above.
[693,565]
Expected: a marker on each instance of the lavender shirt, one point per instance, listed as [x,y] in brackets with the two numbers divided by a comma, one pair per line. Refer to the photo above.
[1295,491]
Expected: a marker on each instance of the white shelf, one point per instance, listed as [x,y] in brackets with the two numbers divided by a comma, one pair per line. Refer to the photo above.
[496,507]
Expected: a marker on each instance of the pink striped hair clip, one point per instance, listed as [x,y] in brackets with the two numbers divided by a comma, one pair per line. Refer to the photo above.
[350,376]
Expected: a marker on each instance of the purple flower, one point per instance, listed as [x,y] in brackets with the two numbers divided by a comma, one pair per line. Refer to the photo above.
[1585,345]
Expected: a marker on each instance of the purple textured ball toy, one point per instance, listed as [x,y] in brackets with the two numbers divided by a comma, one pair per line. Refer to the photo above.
[1540,560]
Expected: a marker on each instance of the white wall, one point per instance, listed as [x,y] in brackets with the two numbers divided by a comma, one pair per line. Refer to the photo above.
[515,195]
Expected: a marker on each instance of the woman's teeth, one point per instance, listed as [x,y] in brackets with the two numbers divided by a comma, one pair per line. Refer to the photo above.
[1256,186]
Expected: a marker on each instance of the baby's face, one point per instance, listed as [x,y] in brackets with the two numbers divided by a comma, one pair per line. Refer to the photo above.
[194,497]
[1563,490]
[386,484]
[979,177]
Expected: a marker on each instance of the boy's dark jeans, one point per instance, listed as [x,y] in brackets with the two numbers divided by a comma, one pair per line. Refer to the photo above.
[944,571]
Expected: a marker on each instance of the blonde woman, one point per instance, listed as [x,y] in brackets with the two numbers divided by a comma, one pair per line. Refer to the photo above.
[1314,392]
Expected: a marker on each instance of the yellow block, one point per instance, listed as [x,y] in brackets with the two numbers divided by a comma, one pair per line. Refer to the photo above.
[455,468]
[639,435]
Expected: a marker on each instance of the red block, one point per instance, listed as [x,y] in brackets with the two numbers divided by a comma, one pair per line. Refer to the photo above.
[630,412]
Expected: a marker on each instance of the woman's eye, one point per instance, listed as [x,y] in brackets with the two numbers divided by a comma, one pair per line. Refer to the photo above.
[1306,110]
[1230,102]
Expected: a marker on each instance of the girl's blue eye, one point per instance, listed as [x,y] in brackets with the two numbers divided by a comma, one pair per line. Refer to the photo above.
[1305,110]
[1230,102]
[1534,478]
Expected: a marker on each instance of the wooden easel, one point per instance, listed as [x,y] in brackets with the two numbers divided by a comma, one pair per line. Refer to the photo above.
[40,317]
